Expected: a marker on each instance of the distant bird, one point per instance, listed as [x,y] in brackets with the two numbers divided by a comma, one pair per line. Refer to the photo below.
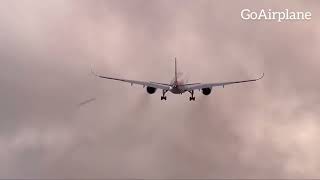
[86,102]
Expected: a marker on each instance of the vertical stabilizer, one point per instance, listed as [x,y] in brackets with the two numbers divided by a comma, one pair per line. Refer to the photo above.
[175,70]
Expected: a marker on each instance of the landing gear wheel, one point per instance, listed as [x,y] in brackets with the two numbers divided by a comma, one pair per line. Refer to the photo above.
[163,98]
[192,98]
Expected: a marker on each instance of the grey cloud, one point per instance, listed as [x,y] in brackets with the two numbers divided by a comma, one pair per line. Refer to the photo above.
[267,129]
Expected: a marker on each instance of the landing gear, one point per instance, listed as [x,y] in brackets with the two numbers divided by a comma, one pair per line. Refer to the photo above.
[192,98]
[164,97]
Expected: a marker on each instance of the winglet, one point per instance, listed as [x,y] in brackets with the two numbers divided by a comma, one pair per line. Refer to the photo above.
[261,76]
[92,72]
[175,70]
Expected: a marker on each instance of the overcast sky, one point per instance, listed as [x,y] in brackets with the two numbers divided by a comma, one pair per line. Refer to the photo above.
[266,129]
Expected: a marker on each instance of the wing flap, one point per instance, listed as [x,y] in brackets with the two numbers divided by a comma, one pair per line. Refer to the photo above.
[143,83]
[211,85]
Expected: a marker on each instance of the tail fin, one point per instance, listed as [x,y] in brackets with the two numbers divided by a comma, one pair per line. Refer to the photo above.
[175,70]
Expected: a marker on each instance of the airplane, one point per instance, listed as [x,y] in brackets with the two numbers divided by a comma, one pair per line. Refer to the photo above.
[177,87]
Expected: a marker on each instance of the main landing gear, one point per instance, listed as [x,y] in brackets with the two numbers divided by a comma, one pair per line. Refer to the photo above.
[192,98]
[164,97]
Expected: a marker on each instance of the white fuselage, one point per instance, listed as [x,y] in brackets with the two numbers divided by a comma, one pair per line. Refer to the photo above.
[177,88]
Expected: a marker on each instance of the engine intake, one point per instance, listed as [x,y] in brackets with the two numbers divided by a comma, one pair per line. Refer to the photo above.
[206,91]
[151,90]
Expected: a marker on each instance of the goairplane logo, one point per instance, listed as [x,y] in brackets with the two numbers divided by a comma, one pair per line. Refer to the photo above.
[279,16]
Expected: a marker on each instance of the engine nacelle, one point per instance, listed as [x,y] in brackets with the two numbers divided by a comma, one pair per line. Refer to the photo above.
[206,91]
[151,90]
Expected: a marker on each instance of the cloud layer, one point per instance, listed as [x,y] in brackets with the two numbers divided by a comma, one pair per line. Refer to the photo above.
[57,121]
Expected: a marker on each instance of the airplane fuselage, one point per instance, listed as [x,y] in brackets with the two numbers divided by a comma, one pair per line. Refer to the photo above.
[176,88]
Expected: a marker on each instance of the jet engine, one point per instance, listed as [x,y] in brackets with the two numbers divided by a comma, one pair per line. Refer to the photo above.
[151,90]
[206,91]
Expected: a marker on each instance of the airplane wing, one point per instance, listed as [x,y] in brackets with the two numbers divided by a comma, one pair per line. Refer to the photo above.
[210,85]
[143,83]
